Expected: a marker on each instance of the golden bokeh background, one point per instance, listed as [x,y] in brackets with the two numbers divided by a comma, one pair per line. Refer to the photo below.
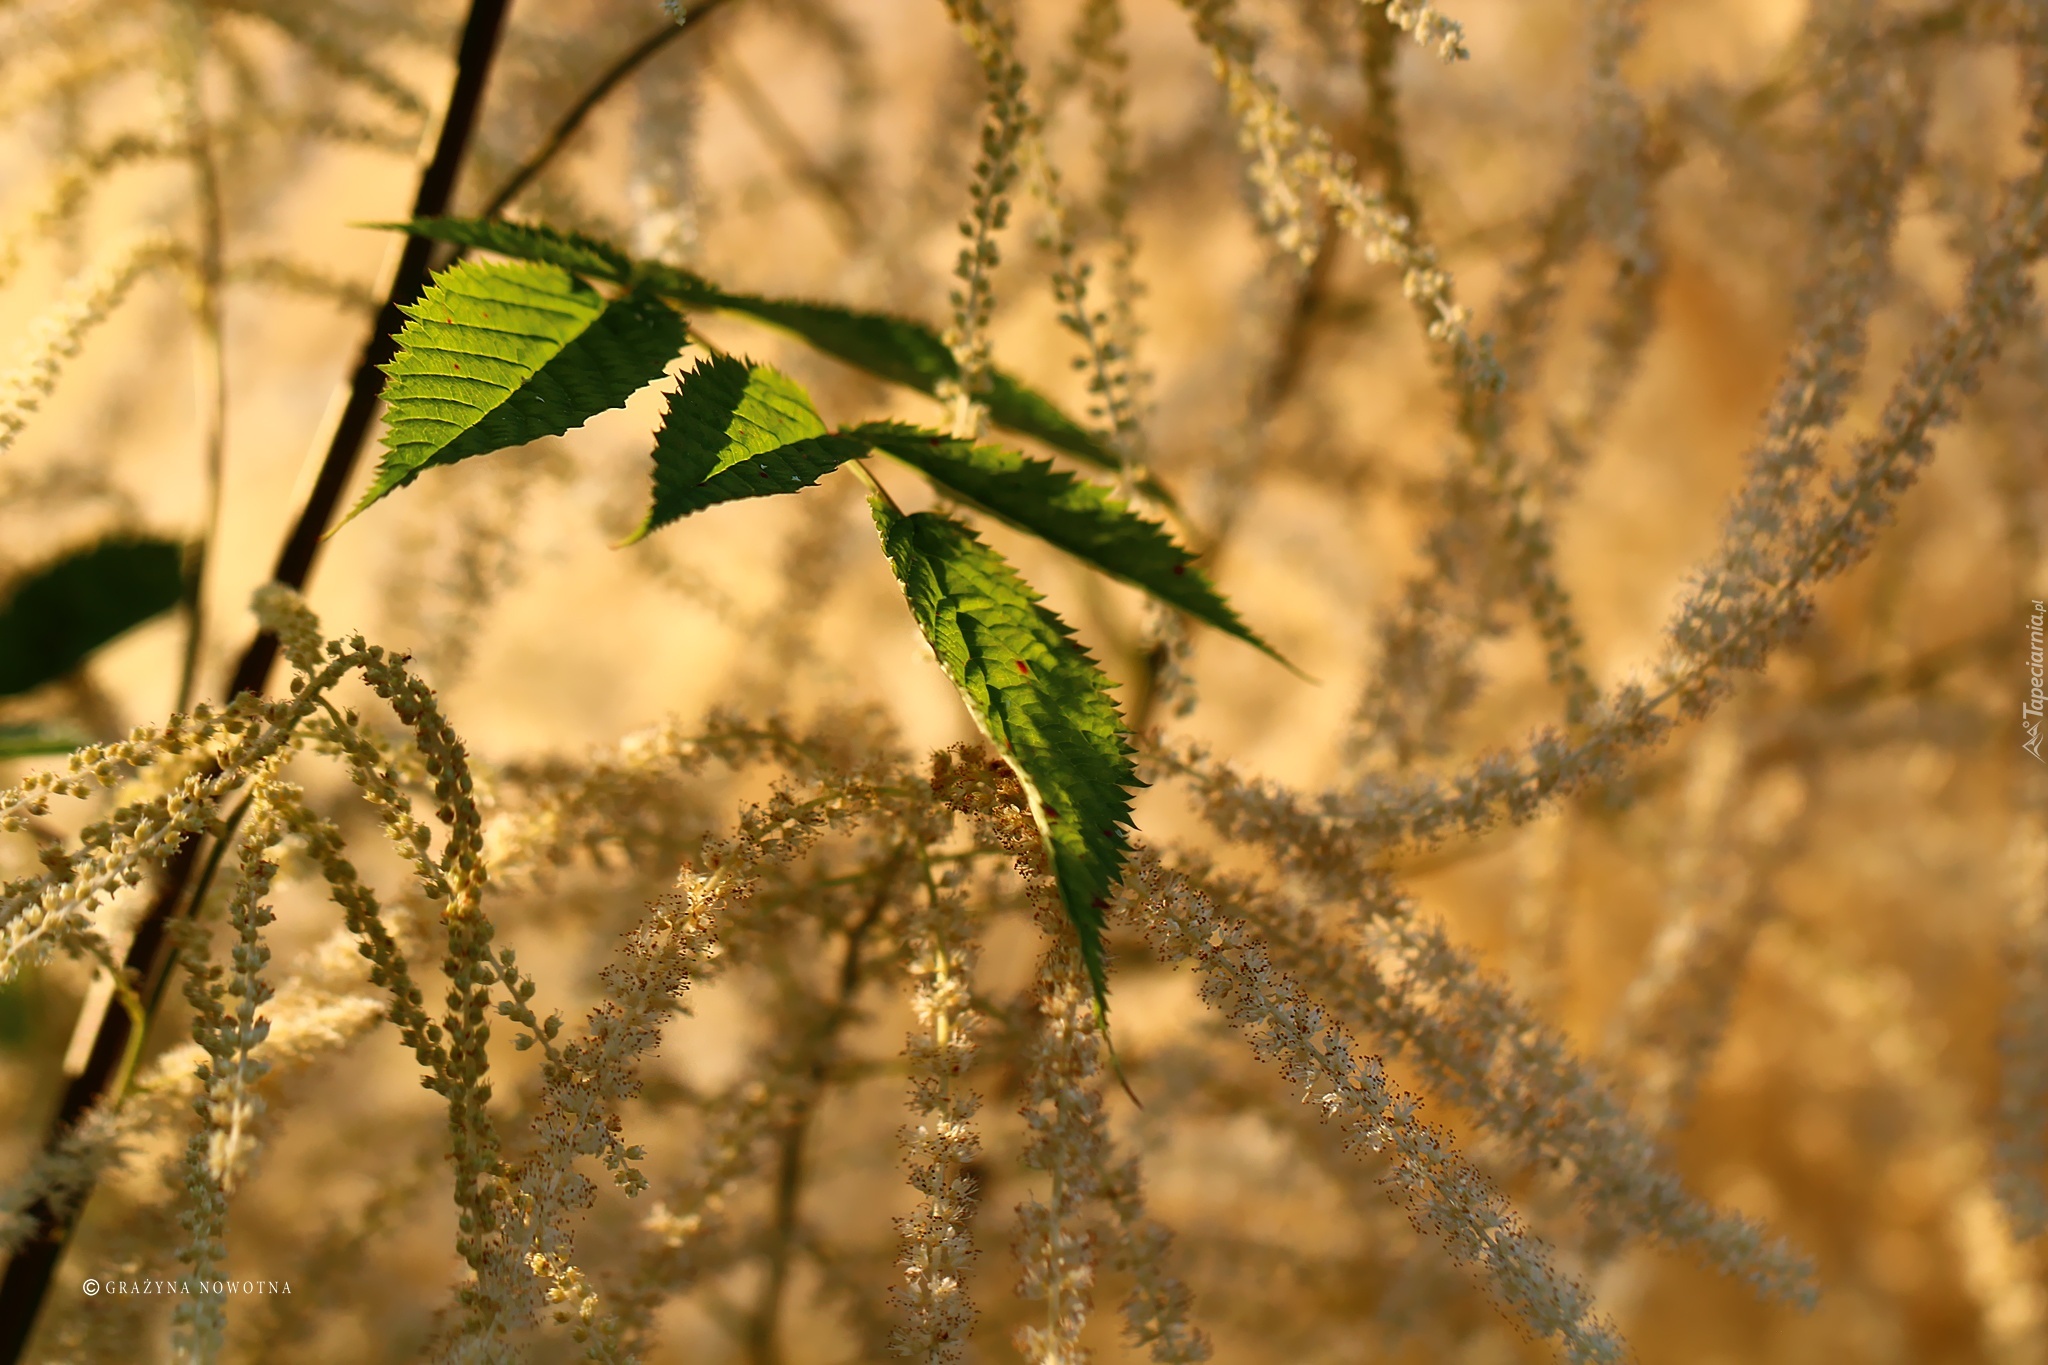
[1859,817]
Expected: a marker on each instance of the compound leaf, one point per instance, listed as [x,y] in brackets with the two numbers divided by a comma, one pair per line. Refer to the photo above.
[736,430]
[897,349]
[901,351]
[911,354]
[59,613]
[527,242]
[1019,407]
[1080,517]
[498,354]
[1037,696]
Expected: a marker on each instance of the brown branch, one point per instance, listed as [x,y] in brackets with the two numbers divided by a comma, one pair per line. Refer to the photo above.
[26,1281]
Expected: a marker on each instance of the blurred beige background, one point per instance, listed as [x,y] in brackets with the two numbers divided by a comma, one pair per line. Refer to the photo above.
[1850,1102]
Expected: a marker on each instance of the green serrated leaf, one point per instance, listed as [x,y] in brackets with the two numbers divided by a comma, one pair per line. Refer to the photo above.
[1080,517]
[737,430]
[37,740]
[900,350]
[1018,407]
[60,612]
[497,355]
[893,348]
[903,352]
[1037,696]
[912,354]
[685,287]
[526,242]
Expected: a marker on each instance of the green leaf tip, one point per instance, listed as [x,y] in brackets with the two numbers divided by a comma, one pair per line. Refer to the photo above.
[892,348]
[1078,516]
[1037,696]
[498,354]
[526,242]
[898,349]
[56,614]
[737,430]
[1017,406]
[901,351]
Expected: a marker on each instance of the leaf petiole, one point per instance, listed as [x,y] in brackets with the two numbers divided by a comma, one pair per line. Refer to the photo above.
[875,489]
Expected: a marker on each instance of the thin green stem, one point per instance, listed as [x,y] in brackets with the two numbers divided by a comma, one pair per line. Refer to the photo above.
[875,490]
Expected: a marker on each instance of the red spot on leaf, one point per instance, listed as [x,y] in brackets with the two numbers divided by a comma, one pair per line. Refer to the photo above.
[1023,667]
[1180,568]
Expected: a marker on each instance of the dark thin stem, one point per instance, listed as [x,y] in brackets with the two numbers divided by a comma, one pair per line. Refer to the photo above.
[26,1282]
[437,187]
[1292,349]
[760,1328]
[615,75]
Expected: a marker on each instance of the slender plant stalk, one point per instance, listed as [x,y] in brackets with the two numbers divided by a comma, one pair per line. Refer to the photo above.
[865,475]
[211,359]
[151,953]
[763,1339]
[27,1279]
[615,75]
